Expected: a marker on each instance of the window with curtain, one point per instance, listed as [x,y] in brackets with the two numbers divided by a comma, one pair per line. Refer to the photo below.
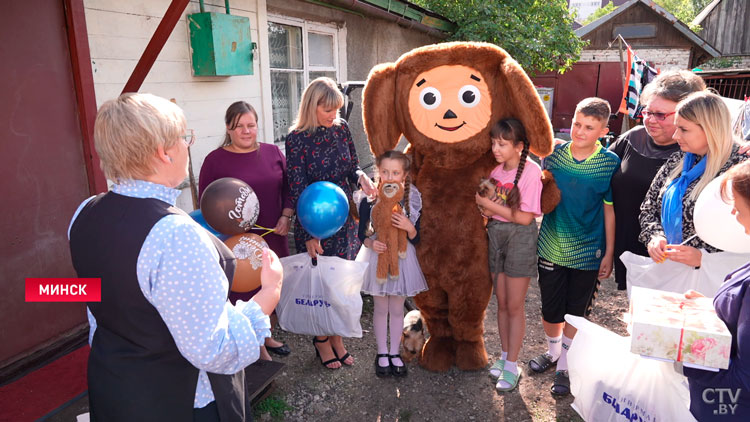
[299,52]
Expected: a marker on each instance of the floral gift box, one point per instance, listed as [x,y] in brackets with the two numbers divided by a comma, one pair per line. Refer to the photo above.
[666,325]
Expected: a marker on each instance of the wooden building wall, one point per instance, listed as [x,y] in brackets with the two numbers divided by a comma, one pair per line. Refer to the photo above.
[727,27]
[666,34]
[118,34]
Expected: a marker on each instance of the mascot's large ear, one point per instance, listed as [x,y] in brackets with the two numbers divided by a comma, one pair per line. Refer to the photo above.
[533,116]
[379,109]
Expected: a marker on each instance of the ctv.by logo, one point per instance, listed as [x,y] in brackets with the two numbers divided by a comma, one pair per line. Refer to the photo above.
[726,398]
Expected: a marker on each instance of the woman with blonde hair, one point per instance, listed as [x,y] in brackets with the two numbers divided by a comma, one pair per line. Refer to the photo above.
[707,149]
[642,151]
[319,147]
[165,342]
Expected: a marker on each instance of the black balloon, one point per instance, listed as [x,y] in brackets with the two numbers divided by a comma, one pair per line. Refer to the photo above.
[230,206]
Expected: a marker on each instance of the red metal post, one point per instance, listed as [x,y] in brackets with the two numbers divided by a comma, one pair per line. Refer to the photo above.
[80,58]
[154,46]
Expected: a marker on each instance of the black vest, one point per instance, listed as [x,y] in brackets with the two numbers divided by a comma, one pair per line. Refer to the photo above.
[135,371]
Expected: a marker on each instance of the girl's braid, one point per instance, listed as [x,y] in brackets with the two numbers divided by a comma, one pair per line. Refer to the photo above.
[514,196]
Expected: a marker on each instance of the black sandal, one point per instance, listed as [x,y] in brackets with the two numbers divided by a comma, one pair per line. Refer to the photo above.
[382,371]
[561,386]
[397,371]
[282,350]
[317,353]
[343,358]
[541,363]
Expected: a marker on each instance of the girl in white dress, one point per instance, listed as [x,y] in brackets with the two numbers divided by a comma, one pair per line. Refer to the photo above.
[393,167]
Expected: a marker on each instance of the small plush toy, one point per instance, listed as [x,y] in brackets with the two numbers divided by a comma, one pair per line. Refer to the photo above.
[389,198]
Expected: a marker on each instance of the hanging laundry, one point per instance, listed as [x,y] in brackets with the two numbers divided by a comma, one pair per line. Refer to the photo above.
[640,75]
[624,103]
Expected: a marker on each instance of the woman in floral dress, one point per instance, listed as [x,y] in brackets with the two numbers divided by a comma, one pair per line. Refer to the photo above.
[319,147]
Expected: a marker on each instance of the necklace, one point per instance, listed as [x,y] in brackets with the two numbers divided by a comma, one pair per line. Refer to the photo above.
[233,148]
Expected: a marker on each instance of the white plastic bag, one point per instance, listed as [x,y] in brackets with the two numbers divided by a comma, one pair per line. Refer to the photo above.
[675,277]
[321,300]
[611,384]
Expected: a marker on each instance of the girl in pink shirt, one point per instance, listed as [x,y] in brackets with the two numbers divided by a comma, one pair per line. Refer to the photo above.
[512,233]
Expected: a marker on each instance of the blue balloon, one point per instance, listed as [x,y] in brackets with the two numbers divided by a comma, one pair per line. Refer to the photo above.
[197,215]
[322,209]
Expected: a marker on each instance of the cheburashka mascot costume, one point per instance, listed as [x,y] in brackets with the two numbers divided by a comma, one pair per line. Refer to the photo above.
[444,99]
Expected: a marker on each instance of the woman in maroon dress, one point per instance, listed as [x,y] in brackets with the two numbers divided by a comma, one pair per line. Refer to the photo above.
[263,167]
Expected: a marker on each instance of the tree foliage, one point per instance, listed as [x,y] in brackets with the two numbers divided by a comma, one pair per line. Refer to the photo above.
[684,10]
[537,33]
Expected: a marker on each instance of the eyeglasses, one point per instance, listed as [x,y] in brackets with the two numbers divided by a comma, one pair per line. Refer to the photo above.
[659,117]
[188,138]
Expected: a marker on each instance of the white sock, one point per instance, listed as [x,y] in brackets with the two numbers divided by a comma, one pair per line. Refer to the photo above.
[554,346]
[396,326]
[380,327]
[510,367]
[562,363]
[494,371]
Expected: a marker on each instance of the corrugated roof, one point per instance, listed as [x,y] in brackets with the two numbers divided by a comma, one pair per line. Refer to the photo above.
[584,30]
[408,10]
[689,34]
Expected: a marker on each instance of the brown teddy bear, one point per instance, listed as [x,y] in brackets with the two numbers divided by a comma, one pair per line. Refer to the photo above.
[389,198]
[550,192]
[444,98]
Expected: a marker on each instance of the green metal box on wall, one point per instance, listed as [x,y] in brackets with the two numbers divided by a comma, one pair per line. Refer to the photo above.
[221,44]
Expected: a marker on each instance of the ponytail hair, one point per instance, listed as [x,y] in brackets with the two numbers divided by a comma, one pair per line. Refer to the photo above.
[512,130]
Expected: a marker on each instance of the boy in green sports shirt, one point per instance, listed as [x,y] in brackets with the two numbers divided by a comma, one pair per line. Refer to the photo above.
[576,240]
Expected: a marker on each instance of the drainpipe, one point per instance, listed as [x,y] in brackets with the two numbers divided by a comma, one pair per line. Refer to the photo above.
[203,8]
[376,11]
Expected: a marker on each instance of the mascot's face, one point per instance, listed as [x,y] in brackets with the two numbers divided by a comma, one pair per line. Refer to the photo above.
[450,103]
